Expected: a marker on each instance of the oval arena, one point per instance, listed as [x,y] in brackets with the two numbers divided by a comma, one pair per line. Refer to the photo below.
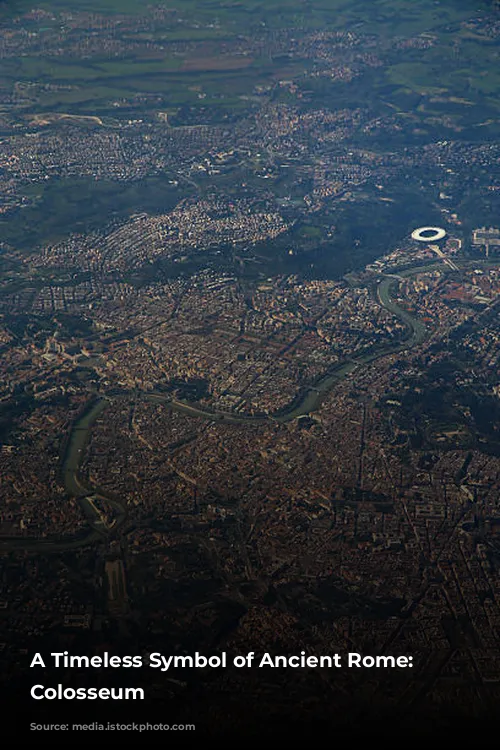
[428,234]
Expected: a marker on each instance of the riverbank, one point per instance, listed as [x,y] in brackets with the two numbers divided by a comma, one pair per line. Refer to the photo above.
[308,401]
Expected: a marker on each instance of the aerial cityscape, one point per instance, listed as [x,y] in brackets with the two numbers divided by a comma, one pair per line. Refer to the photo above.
[250,355]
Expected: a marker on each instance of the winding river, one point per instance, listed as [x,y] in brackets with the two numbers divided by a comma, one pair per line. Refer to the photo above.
[308,402]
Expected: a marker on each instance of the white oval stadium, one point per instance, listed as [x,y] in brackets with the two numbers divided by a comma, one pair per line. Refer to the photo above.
[428,234]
